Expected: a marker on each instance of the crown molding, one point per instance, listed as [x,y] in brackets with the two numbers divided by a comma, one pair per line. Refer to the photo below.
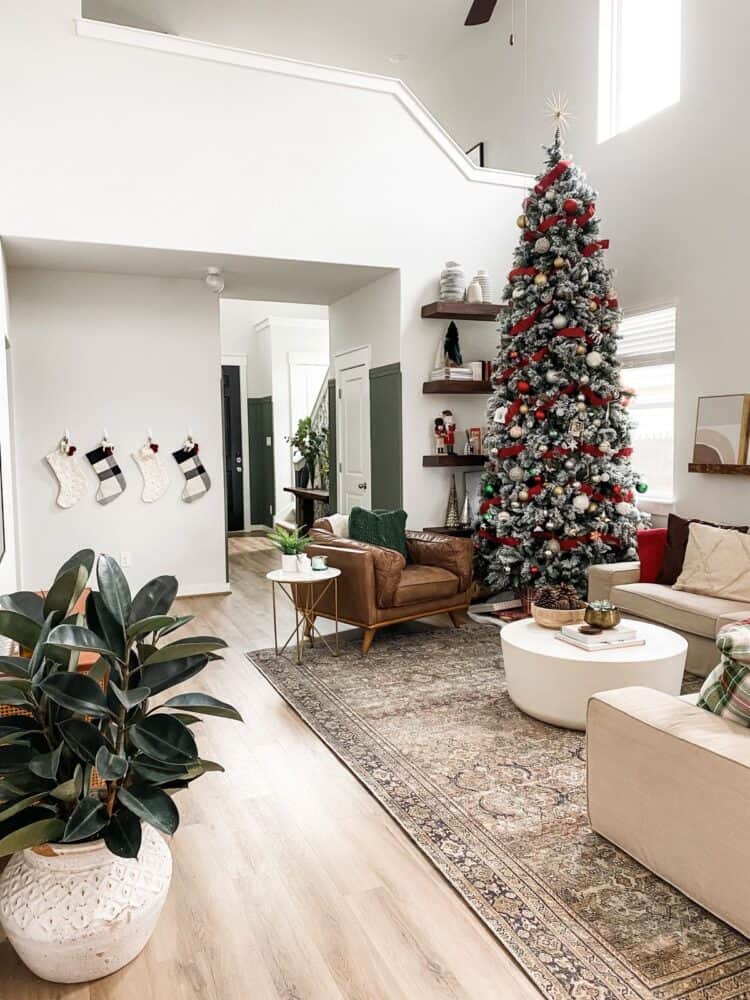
[195,49]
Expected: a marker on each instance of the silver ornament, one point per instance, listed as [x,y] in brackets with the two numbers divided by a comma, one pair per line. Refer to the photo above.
[516,474]
[542,245]
[593,359]
[552,376]
[547,297]
[559,322]
[516,432]
[580,502]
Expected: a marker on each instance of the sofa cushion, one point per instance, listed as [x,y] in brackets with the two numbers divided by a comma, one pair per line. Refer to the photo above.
[678,609]
[726,690]
[386,528]
[678,529]
[424,583]
[717,564]
[651,545]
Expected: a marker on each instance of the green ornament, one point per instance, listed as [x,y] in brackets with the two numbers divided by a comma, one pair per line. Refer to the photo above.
[488,516]
[489,490]
[641,487]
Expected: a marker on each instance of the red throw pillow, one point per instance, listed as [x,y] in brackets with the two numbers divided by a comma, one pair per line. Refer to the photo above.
[651,545]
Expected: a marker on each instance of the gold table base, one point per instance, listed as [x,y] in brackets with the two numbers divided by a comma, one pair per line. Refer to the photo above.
[304,614]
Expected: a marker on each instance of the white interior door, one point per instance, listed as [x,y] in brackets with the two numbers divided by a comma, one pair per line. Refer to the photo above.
[353,428]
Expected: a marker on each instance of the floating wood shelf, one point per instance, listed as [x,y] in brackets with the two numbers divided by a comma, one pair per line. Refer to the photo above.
[445,461]
[720,470]
[486,312]
[462,531]
[458,386]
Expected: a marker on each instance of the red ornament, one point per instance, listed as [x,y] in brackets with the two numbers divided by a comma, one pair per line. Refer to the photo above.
[523,386]
[617,488]
[570,205]
[534,571]
[514,354]
[540,414]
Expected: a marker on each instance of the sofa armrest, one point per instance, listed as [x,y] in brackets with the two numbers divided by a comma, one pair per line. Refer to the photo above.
[667,783]
[356,585]
[388,565]
[605,576]
[445,551]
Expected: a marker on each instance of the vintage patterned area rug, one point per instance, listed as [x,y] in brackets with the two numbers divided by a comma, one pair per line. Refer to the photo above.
[497,801]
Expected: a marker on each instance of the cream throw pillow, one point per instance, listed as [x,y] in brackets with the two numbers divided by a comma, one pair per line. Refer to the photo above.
[717,563]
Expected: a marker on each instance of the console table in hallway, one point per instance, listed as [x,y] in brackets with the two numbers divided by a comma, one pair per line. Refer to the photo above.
[306,500]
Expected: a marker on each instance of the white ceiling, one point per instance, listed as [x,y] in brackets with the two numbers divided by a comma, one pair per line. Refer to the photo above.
[253,278]
[355,34]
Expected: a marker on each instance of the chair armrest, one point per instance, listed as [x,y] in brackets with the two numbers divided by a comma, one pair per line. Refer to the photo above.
[388,565]
[605,576]
[356,585]
[445,551]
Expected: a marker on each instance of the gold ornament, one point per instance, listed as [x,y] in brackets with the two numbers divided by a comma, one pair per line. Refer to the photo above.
[523,408]
[521,221]
[592,508]
[592,305]
[523,496]
[540,279]
[559,262]
[581,407]
[558,491]
[580,349]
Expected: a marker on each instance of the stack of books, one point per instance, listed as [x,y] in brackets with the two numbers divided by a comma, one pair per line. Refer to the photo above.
[463,374]
[624,634]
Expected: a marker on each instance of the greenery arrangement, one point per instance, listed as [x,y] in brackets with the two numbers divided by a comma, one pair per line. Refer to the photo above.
[85,756]
[289,541]
[312,444]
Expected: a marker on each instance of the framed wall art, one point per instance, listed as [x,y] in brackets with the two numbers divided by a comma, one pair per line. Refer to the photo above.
[721,430]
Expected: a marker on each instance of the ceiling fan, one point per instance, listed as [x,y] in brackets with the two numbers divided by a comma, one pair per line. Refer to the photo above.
[480,12]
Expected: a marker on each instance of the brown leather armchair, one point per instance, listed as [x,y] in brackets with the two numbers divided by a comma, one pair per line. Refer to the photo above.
[379,587]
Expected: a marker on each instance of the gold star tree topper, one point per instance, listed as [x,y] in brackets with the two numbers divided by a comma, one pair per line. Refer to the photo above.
[557,110]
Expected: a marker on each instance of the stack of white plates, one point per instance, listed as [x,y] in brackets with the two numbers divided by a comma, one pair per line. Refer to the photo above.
[452,282]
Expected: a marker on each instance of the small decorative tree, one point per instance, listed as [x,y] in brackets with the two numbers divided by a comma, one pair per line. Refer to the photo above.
[558,490]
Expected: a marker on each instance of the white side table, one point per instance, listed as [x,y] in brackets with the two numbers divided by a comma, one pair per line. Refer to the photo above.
[553,681]
[304,592]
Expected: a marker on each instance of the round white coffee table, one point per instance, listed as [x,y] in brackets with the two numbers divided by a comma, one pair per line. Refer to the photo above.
[553,681]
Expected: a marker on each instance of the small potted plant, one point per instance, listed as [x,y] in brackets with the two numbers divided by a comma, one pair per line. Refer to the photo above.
[291,543]
[91,758]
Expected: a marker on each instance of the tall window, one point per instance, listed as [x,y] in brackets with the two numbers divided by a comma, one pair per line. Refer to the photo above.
[639,61]
[646,353]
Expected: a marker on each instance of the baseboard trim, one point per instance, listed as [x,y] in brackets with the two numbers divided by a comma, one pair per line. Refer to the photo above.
[204,589]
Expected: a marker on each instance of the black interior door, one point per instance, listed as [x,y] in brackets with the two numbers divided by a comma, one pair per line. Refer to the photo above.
[232,410]
[260,442]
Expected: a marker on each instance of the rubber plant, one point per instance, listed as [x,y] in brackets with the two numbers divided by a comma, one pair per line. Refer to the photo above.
[90,754]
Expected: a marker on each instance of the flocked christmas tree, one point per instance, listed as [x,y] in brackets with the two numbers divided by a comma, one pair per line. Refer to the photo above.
[558,490]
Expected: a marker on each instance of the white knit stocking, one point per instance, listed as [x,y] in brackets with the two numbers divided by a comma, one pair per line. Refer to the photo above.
[70,478]
[155,478]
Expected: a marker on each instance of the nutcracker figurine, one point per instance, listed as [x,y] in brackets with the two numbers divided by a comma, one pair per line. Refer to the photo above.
[439,436]
[450,431]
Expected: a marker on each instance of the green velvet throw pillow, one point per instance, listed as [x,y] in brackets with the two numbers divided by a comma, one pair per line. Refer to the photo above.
[386,528]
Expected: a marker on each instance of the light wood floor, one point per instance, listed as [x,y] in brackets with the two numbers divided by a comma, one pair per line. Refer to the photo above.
[290,881]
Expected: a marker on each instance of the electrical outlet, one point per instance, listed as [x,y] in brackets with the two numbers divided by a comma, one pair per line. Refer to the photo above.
[125,559]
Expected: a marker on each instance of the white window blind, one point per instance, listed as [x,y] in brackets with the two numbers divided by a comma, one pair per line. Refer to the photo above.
[648,338]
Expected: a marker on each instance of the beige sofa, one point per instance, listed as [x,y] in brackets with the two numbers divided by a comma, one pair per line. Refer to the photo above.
[695,617]
[669,783]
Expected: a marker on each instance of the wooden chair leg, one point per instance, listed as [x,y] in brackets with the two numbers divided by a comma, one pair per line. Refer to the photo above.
[367,640]
[458,618]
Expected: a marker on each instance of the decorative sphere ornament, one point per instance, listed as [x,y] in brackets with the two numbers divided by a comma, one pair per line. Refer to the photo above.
[552,376]
[593,306]
[604,477]
[516,474]
[580,502]
[581,407]
[558,262]
[581,398]
[503,516]
[542,245]
[559,322]
[515,505]
[570,205]
[523,408]
[641,487]
[593,359]
[540,279]
[557,491]
[580,349]
[523,386]
[569,464]
[488,516]
[523,496]
[592,508]
[493,452]
[546,297]
[519,291]
[489,490]
[624,509]
[534,570]
[540,414]
[521,221]
[595,479]
[584,379]
[516,432]
[554,546]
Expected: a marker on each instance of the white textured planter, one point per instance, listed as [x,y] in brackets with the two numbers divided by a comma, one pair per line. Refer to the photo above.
[79,912]
[289,563]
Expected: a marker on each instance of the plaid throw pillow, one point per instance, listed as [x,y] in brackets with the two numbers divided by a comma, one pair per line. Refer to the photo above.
[726,690]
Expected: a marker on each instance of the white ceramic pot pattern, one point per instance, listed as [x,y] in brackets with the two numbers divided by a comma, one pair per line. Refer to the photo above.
[81,912]
[289,563]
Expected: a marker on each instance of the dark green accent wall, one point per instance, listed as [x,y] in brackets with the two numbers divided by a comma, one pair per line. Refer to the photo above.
[332,460]
[260,427]
[386,429]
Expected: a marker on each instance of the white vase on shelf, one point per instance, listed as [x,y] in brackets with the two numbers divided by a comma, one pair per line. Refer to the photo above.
[484,280]
[474,292]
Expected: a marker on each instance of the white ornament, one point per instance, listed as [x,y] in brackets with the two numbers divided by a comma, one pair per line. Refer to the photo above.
[516,474]
[542,245]
[604,477]
[553,545]
[593,359]
[552,376]
[584,379]
[560,322]
[503,516]
[624,509]
[604,447]
[580,502]
[516,432]
[547,297]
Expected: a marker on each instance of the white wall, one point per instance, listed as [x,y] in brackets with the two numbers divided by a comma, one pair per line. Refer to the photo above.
[669,188]
[9,563]
[126,353]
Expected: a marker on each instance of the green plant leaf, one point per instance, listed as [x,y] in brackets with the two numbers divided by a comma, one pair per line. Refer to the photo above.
[46,765]
[152,624]
[203,767]
[129,699]
[76,692]
[165,739]
[151,773]
[180,649]
[154,598]
[16,785]
[25,602]
[186,718]
[16,692]
[204,704]
[19,805]
[84,557]
[15,758]
[110,766]
[101,621]
[70,789]
[151,804]
[37,667]
[76,637]
[20,628]
[179,621]
[123,835]
[83,738]
[99,670]
[88,818]
[114,589]
[65,591]
[16,666]
[41,831]
[16,736]
[161,676]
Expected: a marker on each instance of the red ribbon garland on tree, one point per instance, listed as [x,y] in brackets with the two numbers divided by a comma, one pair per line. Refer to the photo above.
[524,324]
[522,272]
[591,248]
[557,171]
